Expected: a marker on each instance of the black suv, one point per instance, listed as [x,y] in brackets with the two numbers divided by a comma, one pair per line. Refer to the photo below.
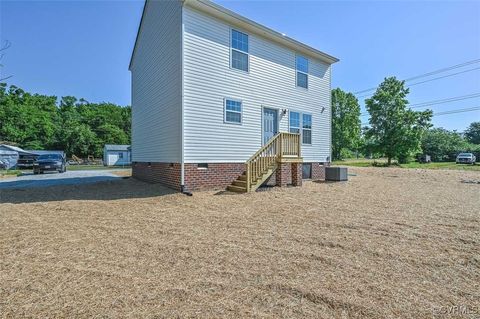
[49,162]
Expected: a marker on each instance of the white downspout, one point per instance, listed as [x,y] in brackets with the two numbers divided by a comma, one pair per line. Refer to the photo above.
[182,128]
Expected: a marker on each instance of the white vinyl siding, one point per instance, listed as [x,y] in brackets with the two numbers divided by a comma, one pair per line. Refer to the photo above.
[209,78]
[157,84]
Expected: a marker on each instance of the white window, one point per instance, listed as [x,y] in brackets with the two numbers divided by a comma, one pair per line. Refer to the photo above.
[294,122]
[301,123]
[306,129]
[233,111]
[301,64]
[239,48]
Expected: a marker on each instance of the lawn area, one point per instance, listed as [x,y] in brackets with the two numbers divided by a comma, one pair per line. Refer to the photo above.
[437,165]
[389,243]
[9,173]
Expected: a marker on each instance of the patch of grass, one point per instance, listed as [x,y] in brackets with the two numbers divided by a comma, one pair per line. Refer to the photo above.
[382,163]
[10,173]
[92,167]
[360,162]
[442,165]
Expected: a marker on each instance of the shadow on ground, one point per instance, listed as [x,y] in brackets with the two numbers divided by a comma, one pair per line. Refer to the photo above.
[120,188]
[24,184]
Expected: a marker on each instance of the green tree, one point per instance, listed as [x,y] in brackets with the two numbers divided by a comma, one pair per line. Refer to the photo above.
[395,130]
[443,145]
[34,121]
[472,134]
[346,125]
[80,139]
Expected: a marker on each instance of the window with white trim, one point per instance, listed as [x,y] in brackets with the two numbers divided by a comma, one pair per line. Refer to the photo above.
[294,120]
[301,65]
[301,123]
[306,129]
[239,50]
[233,111]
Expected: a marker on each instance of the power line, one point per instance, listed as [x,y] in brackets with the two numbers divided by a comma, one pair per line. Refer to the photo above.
[429,80]
[447,100]
[470,109]
[428,74]
[442,101]
[445,76]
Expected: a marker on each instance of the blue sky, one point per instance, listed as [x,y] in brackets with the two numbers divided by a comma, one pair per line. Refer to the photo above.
[82,48]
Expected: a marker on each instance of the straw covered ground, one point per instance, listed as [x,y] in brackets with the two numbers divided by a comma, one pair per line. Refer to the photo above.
[390,243]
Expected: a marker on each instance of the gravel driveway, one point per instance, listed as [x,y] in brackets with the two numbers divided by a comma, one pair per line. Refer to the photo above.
[53,179]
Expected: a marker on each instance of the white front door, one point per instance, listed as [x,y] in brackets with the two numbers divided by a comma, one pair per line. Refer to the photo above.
[270,124]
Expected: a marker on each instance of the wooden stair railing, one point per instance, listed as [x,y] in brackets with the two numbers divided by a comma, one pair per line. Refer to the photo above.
[264,162]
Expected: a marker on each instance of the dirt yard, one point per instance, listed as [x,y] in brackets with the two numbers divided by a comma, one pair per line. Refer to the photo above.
[390,243]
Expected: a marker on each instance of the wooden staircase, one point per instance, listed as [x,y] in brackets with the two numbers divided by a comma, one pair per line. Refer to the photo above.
[265,161]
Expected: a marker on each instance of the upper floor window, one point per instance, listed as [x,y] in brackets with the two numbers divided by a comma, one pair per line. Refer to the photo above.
[302,71]
[239,54]
[233,111]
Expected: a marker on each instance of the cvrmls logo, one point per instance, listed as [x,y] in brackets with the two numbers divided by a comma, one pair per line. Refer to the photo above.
[458,310]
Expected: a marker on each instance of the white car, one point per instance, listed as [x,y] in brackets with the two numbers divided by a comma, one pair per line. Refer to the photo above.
[465,158]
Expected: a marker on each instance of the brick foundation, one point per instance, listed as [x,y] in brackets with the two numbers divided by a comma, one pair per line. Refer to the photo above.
[167,174]
[318,171]
[288,174]
[218,175]
[296,174]
[283,175]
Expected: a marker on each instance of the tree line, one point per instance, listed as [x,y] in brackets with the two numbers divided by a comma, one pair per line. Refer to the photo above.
[395,131]
[76,126]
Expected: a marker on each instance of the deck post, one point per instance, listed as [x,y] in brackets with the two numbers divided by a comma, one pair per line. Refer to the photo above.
[280,151]
[299,145]
[247,172]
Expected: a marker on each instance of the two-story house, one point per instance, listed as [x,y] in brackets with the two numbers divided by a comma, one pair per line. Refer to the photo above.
[219,100]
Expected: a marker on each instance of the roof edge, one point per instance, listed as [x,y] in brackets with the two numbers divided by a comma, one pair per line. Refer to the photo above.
[230,16]
[136,37]
[227,15]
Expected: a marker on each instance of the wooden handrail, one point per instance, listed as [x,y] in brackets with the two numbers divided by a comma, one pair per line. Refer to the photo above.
[281,145]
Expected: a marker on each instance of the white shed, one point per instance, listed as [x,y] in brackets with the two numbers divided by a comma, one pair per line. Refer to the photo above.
[117,155]
[9,155]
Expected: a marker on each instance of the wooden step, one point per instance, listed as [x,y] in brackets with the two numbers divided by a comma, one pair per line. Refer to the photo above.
[242,178]
[240,183]
[237,189]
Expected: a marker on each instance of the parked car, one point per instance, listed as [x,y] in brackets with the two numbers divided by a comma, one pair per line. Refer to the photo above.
[49,162]
[26,161]
[465,158]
